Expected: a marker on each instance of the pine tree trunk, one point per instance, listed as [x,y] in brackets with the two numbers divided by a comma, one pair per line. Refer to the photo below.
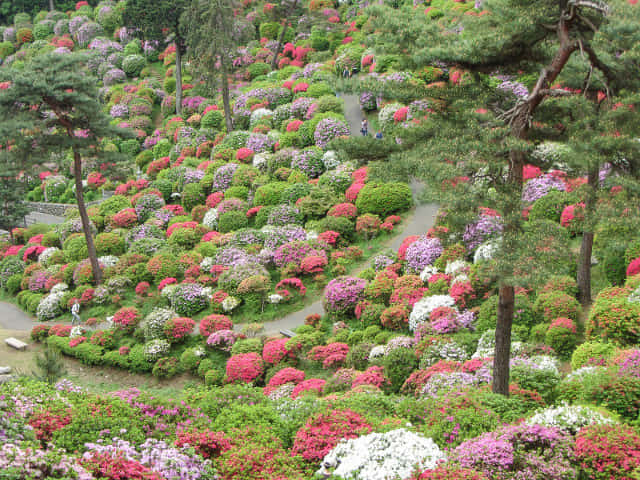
[52,6]
[274,62]
[178,78]
[225,98]
[506,302]
[586,247]
[84,217]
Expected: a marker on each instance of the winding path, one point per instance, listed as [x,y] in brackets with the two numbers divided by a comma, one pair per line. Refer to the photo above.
[421,220]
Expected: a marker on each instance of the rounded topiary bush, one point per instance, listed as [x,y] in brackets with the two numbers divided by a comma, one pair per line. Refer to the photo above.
[384,199]
[231,221]
[398,365]
[592,353]
[133,65]
[614,318]
[551,206]
[562,336]
[551,305]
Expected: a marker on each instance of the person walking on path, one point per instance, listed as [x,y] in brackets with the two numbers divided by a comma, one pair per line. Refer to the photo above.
[75,309]
[364,128]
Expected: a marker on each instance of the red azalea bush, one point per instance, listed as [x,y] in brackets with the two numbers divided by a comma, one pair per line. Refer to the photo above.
[287,375]
[332,354]
[214,199]
[371,376]
[312,385]
[214,323]
[273,352]
[347,210]
[352,192]
[245,368]
[633,268]
[126,218]
[571,215]
[313,264]
[608,452]
[117,467]
[60,330]
[322,433]
[40,332]
[207,443]
[462,293]
[74,342]
[47,422]
[177,329]
[395,317]
[244,155]
[126,318]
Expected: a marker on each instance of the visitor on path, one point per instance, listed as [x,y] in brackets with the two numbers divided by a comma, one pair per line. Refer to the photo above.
[345,72]
[75,309]
[364,129]
[378,135]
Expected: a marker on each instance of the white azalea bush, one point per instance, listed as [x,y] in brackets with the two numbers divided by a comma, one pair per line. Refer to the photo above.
[423,308]
[155,349]
[153,325]
[49,306]
[382,456]
[570,418]
[210,219]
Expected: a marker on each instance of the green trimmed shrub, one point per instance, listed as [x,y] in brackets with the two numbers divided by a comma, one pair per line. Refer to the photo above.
[592,352]
[231,221]
[384,199]
[613,317]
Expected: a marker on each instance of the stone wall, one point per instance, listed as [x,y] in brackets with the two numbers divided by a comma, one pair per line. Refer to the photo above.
[59,209]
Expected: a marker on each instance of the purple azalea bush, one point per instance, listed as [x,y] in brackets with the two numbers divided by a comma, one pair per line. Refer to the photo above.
[329,129]
[342,294]
[522,451]
[422,252]
[538,187]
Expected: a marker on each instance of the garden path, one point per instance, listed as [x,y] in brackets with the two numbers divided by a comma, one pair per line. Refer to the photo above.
[12,318]
[421,220]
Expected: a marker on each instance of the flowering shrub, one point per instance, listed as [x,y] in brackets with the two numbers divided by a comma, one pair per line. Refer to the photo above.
[422,252]
[608,451]
[323,432]
[562,336]
[315,385]
[222,339]
[382,456]
[214,323]
[245,368]
[188,298]
[275,351]
[127,318]
[178,329]
[569,418]
[342,294]
[519,451]
[613,317]
[207,443]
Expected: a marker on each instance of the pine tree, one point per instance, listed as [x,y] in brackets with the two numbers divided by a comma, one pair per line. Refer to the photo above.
[152,19]
[57,96]
[49,365]
[213,34]
[552,40]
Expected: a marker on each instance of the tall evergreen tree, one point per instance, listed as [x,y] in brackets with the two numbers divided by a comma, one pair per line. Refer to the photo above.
[159,20]
[213,34]
[542,38]
[56,95]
